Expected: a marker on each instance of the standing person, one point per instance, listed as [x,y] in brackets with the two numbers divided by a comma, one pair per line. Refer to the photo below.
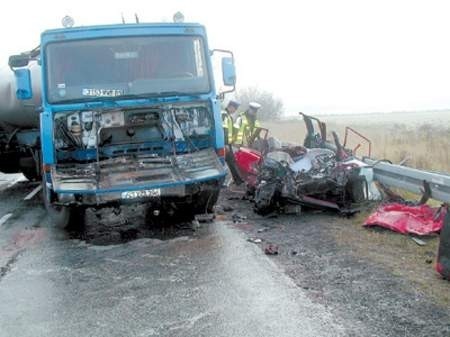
[245,124]
[228,129]
[228,120]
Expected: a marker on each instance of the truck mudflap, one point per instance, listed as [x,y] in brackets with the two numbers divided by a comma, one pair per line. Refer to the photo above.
[135,177]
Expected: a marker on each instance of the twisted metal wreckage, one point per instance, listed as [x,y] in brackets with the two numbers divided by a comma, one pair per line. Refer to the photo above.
[322,174]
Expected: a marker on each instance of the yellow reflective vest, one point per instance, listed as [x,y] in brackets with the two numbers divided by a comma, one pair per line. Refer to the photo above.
[227,123]
[244,129]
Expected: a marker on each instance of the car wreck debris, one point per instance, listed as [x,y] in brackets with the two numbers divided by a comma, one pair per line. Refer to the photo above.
[271,249]
[237,218]
[418,241]
[284,178]
[317,180]
[254,240]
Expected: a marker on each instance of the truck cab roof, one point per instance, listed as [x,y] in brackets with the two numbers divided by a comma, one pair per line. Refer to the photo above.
[117,30]
[123,26]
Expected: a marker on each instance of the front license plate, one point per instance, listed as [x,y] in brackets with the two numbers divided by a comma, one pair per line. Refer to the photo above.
[156,192]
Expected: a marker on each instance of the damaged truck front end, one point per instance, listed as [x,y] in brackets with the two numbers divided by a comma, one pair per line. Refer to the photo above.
[130,115]
[145,154]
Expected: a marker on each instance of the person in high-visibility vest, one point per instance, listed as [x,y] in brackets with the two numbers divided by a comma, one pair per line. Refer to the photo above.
[228,121]
[246,124]
[228,118]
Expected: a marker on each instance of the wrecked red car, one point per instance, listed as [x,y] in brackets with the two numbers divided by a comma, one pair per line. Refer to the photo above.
[320,174]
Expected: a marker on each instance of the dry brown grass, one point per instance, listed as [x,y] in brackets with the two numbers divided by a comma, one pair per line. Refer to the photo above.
[397,253]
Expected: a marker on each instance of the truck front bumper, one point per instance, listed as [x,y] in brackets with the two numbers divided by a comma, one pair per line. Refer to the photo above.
[135,178]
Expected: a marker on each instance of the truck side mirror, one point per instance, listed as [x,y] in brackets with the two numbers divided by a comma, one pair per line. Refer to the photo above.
[228,71]
[18,61]
[23,84]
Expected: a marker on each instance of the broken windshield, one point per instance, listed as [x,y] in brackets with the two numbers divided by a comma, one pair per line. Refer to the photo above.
[126,66]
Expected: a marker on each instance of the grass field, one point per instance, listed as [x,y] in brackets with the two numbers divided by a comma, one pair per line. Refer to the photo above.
[421,137]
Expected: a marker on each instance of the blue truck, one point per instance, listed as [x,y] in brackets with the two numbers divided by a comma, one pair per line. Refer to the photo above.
[117,114]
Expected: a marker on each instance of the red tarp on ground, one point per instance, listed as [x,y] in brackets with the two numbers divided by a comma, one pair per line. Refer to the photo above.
[420,220]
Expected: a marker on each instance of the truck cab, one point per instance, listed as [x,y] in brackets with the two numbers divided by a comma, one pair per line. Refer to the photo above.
[129,113]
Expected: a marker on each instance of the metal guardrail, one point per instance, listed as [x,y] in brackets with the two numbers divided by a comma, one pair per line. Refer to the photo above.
[411,179]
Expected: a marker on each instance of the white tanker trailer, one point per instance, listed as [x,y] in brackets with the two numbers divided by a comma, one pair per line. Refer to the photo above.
[19,125]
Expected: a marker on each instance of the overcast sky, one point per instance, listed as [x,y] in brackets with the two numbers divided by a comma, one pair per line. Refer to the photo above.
[317,56]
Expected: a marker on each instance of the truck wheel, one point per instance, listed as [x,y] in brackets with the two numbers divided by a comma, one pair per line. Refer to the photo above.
[205,201]
[30,174]
[28,168]
[60,216]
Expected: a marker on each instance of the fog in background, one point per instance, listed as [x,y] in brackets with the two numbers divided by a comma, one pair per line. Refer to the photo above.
[317,56]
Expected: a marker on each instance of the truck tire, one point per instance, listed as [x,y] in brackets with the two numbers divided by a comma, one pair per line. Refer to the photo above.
[30,174]
[28,168]
[205,201]
[60,216]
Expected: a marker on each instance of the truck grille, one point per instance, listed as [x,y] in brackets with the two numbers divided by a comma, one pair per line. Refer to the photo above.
[125,172]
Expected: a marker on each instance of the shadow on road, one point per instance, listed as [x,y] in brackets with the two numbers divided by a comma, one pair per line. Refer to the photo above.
[107,226]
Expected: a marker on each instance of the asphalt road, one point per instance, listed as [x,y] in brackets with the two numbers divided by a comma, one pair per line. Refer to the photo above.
[210,282]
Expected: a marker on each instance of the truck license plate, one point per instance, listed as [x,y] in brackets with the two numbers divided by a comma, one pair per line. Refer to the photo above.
[156,192]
